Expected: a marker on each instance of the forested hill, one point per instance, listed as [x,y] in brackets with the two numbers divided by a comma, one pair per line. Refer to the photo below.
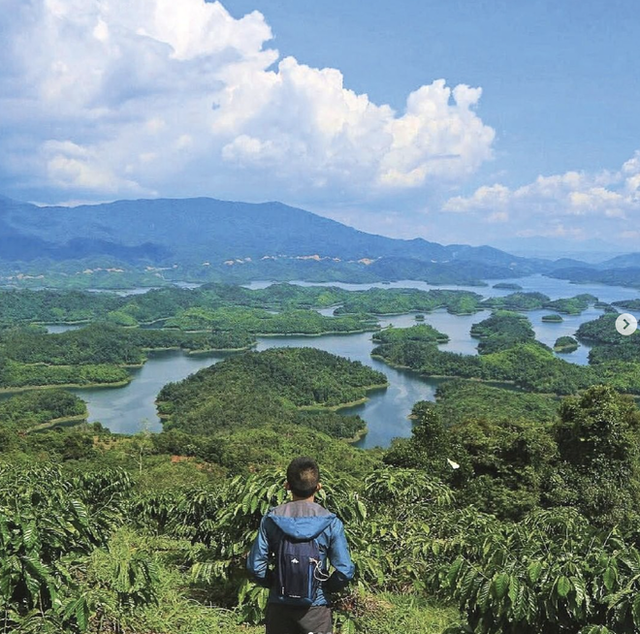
[189,229]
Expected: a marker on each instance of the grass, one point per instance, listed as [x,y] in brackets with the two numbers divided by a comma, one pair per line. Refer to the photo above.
[404,613]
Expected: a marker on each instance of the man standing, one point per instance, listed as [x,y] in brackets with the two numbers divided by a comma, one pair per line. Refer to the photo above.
[300,535]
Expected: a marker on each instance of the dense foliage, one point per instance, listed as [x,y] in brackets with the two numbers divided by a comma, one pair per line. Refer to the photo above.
[421,332]
[517,301]
[533,301]
[610,346]
[403,300]
[35,408]
[458,400]
[531,366]
[565,344]
[513,511]
[259,387]
[502,330]
[97,354]
[531,529]
[258,321]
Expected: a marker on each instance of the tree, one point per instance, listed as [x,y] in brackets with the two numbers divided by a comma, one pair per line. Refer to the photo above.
[598,438]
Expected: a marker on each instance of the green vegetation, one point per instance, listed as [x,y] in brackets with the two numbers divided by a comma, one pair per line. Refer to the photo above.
[48,306]
[607,308]
[198,308]
[39,408]
[95,355]
[15,376]
[554,318]
[506,512]
[458,400]
[610,346]
[602,331]
[529,365]
[503,330]
[628,304]
[395,301]
[535,301]
[517,301]
[534,531]
[262,322]
[572,306]
[422,332]
[281,382]
[507,286]
[565,345]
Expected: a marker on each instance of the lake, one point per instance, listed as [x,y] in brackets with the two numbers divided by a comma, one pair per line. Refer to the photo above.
[132,408]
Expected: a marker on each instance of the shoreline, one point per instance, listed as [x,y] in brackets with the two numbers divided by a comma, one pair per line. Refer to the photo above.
[357,437]
[54,422]
[62,386]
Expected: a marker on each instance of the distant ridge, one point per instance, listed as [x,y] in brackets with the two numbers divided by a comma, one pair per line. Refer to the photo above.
[164,230]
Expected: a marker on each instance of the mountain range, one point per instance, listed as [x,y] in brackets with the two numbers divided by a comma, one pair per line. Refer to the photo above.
[243,240]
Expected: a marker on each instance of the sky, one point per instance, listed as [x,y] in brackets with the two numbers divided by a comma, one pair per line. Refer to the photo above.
[456,121]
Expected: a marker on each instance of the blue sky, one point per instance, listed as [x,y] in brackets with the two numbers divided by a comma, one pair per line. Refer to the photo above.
[455,121]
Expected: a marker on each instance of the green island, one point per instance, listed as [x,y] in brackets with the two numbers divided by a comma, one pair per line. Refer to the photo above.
[628,304]
[608,346]
[565,345]
[511,509]
[517,302]
[195,308]
[507,286]
[554,318]
[283,382]
[607,308]
[159,305]
[113,341]
[97,355]
[535,301]
[421,332]
[573,305]
[509,353]
[262,322]
[502,330]
[396,301]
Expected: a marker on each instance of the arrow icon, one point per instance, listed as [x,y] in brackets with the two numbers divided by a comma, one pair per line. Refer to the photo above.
[626,324]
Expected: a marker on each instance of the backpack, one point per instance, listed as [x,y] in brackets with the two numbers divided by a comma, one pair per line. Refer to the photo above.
[298,570]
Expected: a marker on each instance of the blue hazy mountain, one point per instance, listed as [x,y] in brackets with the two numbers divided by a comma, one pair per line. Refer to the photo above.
[165,230]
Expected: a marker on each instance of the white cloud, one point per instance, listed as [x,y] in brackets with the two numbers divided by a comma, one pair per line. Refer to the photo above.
[550,202]
[112,97]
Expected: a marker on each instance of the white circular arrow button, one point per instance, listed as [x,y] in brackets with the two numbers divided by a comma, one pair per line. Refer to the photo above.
[626,324]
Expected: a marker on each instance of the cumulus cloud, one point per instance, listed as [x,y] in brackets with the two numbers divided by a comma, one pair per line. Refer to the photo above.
[109,97]
[563,204]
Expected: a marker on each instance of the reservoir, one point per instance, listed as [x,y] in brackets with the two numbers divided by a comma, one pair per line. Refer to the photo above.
[131,408]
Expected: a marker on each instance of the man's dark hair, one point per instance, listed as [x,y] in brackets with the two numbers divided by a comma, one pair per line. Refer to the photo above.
[303,476]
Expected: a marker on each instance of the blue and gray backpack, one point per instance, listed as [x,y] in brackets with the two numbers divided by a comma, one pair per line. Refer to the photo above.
[298,569]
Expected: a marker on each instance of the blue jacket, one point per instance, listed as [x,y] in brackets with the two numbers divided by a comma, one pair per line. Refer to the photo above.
[302,520]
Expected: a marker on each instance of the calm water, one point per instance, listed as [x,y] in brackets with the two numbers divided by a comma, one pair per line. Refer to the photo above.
[132,408]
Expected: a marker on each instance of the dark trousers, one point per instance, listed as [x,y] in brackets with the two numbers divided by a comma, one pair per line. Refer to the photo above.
[290,619]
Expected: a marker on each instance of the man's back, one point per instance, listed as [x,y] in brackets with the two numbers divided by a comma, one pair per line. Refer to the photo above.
[305,535]
[302,520]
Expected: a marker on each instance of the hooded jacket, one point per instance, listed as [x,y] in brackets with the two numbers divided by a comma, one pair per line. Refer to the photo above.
[302,520]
